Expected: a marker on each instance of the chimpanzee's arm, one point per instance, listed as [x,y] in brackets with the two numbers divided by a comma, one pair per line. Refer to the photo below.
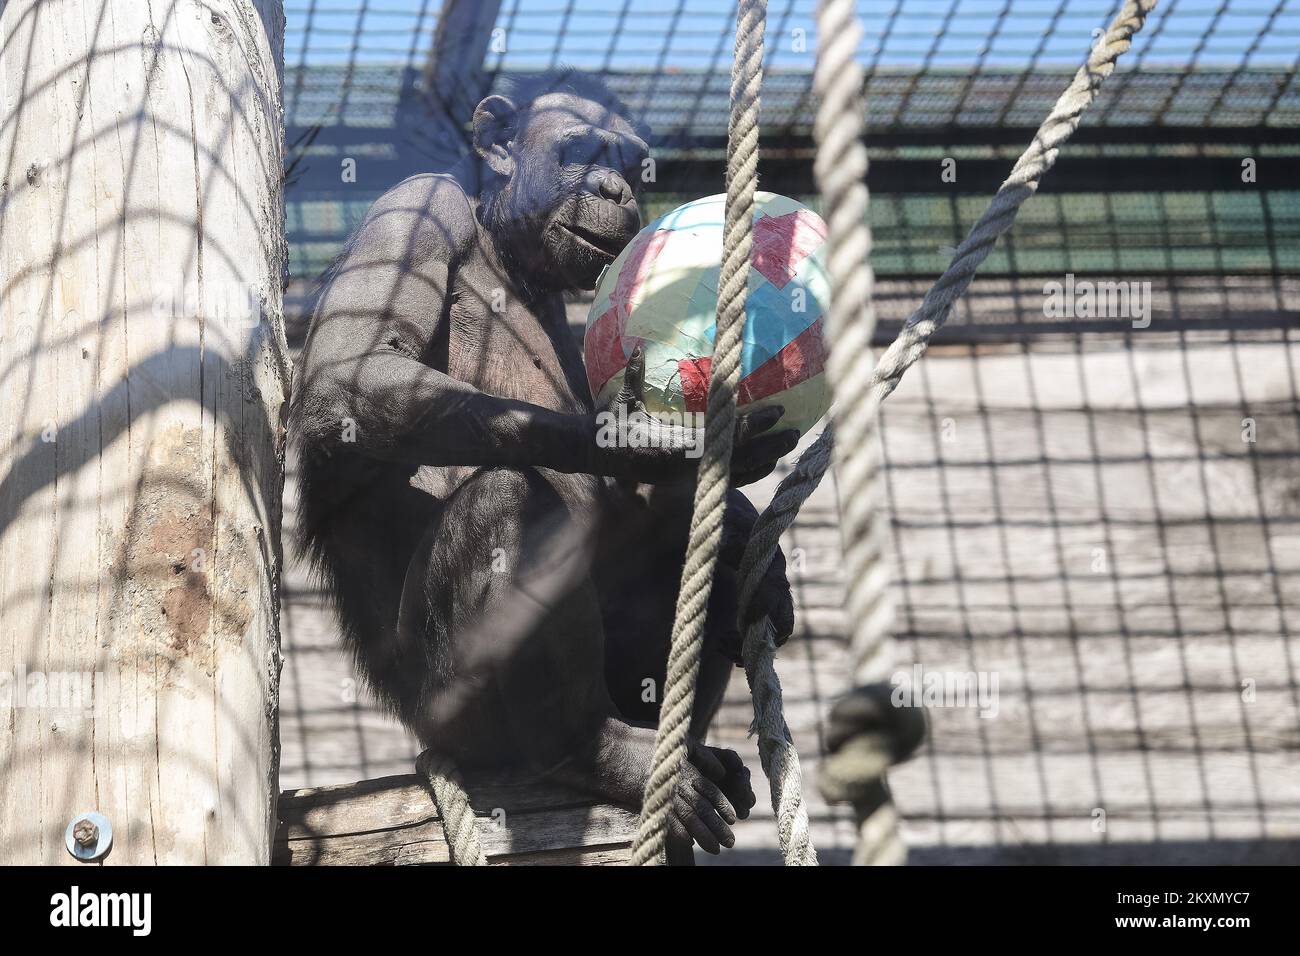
[362,380]
[379,312]
[408,412]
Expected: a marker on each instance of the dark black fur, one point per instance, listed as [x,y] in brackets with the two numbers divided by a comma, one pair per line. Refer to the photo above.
[456,525]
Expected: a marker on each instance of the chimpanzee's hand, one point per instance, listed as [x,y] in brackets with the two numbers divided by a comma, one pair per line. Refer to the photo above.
[713,792]
[772,598]
[757,450]
[632,443]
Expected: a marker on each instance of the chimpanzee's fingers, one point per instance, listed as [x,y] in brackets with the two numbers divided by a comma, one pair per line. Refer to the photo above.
[782,615]
[711,792]
[741,478]
[706,761]
[752,424]
[632,394]
[763,450]
[677,832]
[737,526]
[700,831]
[730,760]
[736,786]
[715,826]
[772,598]
[741,793]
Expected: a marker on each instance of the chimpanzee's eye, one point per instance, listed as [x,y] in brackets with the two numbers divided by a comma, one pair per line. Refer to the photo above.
[581,151]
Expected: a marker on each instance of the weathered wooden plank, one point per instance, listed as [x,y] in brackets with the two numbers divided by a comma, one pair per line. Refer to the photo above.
[143,381]
[394,821]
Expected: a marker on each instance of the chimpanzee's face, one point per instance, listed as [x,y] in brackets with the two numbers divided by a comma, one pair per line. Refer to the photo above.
[571,192]
[595,157]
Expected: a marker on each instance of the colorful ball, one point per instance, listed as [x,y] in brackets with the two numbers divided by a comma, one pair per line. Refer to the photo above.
[662,293]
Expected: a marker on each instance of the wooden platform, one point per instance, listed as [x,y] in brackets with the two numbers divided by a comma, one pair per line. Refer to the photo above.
[393,821]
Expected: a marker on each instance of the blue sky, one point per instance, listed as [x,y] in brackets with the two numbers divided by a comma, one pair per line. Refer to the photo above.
[695,34]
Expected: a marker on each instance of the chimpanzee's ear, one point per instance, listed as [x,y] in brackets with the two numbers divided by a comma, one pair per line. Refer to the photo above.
[494,128]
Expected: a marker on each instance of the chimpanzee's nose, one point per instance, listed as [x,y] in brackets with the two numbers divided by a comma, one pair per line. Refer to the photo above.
[613,187]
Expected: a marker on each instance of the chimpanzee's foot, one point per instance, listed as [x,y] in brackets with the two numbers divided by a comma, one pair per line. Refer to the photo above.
[725,768]
[678,851]
[703,807]
[712,794]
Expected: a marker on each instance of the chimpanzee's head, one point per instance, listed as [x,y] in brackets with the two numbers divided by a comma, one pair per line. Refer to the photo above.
[564,161]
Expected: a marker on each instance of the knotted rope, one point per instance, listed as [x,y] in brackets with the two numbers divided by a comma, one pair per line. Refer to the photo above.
[841,171]
[720,418]
[860,389]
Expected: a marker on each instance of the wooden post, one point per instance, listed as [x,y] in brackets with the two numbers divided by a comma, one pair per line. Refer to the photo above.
[143,380]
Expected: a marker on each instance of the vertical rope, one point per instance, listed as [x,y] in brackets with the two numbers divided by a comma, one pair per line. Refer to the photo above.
[715,464]
[841,170]
[840,166]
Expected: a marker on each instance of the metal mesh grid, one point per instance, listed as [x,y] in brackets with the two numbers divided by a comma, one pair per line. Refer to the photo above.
[1107,521]
[1075,506]
[984,62]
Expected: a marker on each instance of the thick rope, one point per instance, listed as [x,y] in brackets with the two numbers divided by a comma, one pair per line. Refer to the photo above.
[453,806]
[775,747]
[719,424]
[860,391]
[840,167]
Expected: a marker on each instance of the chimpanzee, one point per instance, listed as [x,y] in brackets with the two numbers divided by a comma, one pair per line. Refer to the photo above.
[448,444]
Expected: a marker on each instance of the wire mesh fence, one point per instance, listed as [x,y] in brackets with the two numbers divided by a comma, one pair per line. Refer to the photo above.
[1097,508]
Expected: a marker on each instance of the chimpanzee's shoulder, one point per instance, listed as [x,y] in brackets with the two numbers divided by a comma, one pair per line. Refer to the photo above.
[429,210]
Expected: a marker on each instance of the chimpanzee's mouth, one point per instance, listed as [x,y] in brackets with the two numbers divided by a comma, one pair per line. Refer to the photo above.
[607,246]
